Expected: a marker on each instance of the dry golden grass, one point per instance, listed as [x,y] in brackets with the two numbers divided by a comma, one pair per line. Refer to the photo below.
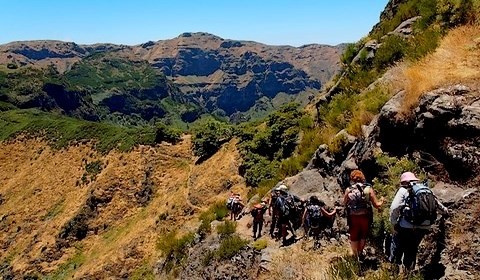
[210,179]
[295,262]
[456,60]
[41,195]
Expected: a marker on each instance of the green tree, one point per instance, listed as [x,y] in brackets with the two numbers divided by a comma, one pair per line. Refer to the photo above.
[208,138]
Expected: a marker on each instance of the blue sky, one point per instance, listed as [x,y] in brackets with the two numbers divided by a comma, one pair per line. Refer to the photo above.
[275,22]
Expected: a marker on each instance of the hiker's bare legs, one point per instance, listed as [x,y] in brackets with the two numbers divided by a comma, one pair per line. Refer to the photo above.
[361,245]
[354,245]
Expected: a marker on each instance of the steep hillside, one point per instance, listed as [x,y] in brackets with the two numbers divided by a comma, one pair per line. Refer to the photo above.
[78,213]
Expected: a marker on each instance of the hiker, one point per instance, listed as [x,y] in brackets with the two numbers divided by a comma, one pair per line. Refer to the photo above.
[235,205]
[257,213]
[316,217]
[411,220]
[273,212]
[358,199]
[286,207]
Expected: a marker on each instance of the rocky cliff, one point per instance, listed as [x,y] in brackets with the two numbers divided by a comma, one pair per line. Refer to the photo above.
[218,75]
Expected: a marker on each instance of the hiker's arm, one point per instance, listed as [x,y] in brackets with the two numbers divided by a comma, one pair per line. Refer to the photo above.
[373,198]
[345,196]
[304,216]
[328,214]
[441,207]
[397,204]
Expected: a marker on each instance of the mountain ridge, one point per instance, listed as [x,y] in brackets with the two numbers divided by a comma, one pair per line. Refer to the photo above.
[229,78]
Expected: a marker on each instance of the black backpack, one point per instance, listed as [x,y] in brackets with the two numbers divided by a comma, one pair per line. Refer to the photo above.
[314,215]
[421,206]
[284,204]
[229,203]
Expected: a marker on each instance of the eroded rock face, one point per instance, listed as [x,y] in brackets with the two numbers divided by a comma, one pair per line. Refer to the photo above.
[243,265]
[443,128]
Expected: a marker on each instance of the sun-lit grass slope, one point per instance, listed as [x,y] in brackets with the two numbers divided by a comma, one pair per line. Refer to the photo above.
[456,60]
[218,174]
[77,213]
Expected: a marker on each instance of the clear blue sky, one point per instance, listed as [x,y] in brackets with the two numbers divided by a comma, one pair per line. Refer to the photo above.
[276,22]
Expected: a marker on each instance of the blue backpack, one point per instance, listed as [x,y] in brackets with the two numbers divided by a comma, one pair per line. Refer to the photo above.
[421,205]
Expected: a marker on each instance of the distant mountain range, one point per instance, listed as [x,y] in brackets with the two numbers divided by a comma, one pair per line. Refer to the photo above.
[205,74]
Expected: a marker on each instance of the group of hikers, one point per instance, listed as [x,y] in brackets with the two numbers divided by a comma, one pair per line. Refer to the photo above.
[412,212]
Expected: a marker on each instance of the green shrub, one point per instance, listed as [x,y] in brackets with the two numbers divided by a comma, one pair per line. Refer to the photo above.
[217,211]
[230,246]
[392,50]
[336,145]
[208,257]
[349,54]
[423,43]
[290,167]
[256,168]
[260,244]
[208,138]
[264,146]
[338,111]
[386,185]
[174,249]
[94,167]
[166,133]
[345,268]
[455,12]
[220,210]
[227,228]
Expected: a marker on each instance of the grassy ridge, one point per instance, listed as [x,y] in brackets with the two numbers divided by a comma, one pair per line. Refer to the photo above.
[60,130]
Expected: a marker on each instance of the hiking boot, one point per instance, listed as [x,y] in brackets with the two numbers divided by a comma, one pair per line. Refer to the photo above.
[361,256]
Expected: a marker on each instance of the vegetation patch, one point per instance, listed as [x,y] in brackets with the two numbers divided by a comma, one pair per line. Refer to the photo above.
[143,272]
[208,137]
[92,169]
[60,131]
[264,146]
[174,248]
[56,209]
[227,228]
[67,269]
[217,211]
[456,60]
[260,244]
[386,185]
[230,246]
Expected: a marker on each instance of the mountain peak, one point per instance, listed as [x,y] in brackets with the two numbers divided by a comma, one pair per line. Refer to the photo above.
[199,34]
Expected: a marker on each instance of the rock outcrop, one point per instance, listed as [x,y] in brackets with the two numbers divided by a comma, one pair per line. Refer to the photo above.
[442,134]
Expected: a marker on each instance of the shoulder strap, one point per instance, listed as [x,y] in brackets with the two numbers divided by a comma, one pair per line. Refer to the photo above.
[366,192]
